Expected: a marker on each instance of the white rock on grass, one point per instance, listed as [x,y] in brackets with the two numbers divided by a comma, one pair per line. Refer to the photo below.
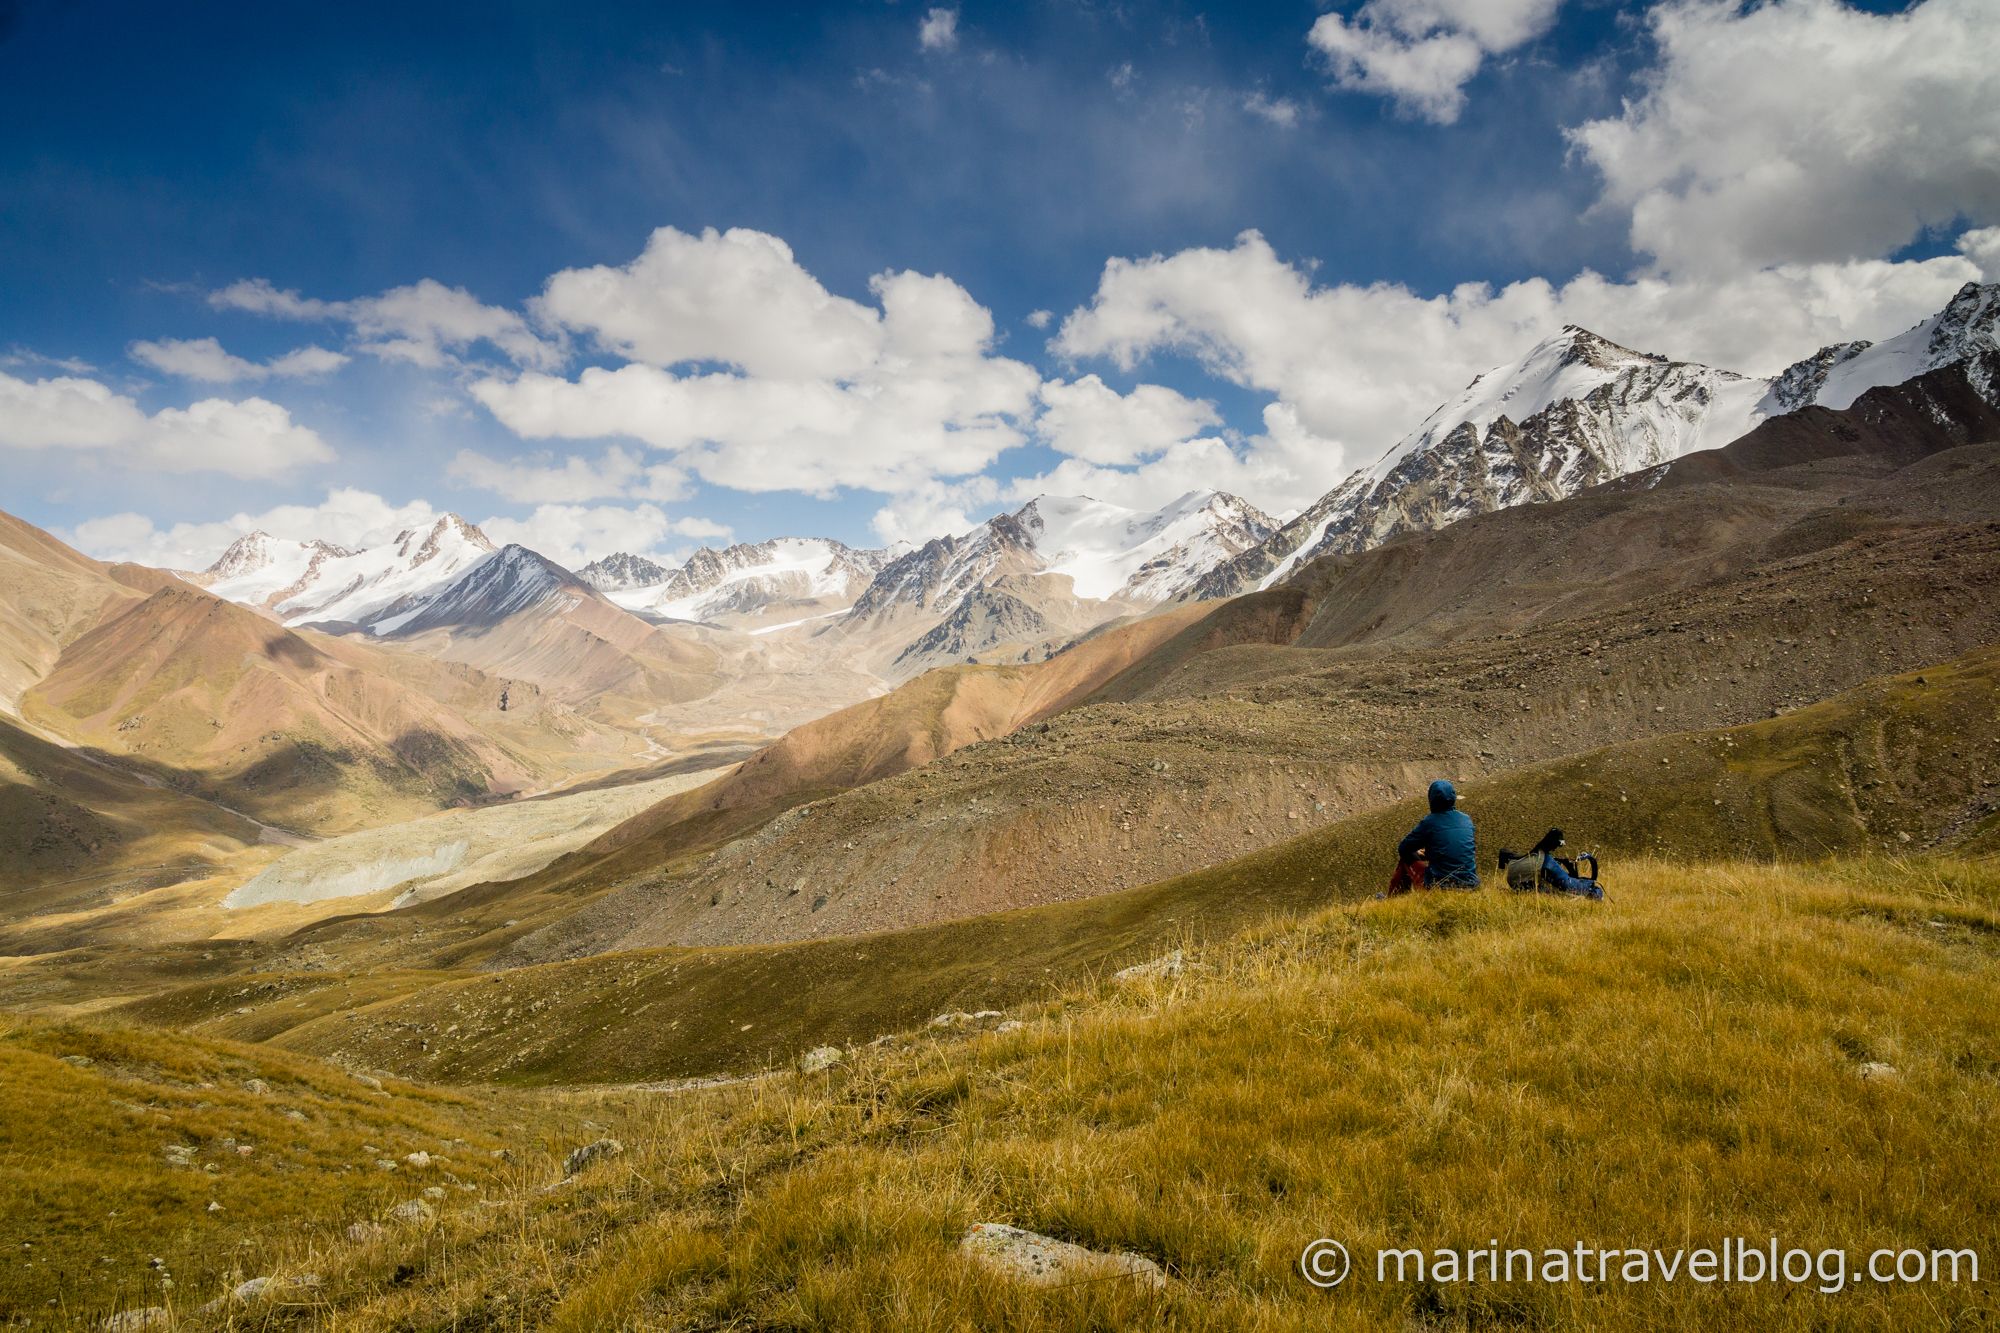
[413,1211]
[1875,1069]
[1172,965]
[1044,1261]
[590,1152]
[418,1159]
[820,1057]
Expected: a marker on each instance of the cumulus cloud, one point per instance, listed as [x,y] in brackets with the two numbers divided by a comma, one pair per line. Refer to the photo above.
[736,297]
[815,391]
[425,323]
[934,509]
[1039,319]
[1422,53]
[1804,131]
[205,359]
[938,31]
[1355,367]
[347,517]
[1280,111]
[1091,421]
[253,438]
[574,535]
[1982,247]
[617,474]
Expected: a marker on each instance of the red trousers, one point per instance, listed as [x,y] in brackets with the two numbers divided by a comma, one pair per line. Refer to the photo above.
[1409,875]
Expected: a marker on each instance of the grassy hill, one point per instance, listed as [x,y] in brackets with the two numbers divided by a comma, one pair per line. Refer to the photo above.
[1721,1050]
[1903,764]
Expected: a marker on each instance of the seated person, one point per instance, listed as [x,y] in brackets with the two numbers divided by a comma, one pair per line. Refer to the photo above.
[1439,853]
[1541,871]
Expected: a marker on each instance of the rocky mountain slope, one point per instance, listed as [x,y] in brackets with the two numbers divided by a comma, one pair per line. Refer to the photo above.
[1578,410]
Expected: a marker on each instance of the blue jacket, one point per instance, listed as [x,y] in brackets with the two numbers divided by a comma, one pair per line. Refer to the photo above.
[1445,837]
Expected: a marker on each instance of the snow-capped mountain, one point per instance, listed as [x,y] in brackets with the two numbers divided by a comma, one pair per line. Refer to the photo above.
[315,582]
[785,574]
[515,579]
[1051,569]
[1108,553]
[1835,376]
[1577,410]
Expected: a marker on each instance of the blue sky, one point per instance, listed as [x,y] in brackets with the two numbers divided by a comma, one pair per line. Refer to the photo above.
[157,159]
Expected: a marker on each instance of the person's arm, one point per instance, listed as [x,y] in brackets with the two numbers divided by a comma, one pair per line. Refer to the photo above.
[1412,843]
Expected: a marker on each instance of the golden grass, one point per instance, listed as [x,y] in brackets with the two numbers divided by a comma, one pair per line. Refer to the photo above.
[1673,1067]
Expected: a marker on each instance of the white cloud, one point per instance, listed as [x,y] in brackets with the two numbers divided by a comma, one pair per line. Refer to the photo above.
[618,474]
[934,509]
[1982,247]
[425,323]
[1356,367]
[1040,319]
[1804,131]
[1280,111]
[1091,421]
[347,517]
[736,297]
[253,438]
[574,535]
[938,31]
[1422,53]
[818,391]
[205,359]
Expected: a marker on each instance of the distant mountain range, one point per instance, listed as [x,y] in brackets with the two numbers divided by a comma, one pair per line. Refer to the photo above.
[1574,411]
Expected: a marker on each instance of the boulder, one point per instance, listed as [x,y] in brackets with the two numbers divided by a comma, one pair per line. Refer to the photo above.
[1044,1261]
[590,1152]
[1165,968]
[820,1057]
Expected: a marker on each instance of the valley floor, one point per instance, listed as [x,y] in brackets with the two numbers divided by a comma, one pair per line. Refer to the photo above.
[1719,1051]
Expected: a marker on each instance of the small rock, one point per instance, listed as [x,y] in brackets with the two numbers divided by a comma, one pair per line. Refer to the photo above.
[415,1212]
[434,1192]
[293,1113]
[257,1086]
[418,1159]
[153,1316]
[1172,965]
[1043,1261]
[1011,1025]
[214,1207]
[818,1058]
[180,1154]
[369,1081]
[251,1290]
[80,1061]
[358,1232]
[385,1163]
[590,1152]
[1876,1069]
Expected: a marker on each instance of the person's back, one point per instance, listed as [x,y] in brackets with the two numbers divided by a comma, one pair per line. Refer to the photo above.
[1446,839]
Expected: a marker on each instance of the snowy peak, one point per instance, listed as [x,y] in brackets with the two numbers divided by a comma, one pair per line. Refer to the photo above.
[616,573]
[748,580]
[512,580]
[317,582]
[1968,325]
[1110,554]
